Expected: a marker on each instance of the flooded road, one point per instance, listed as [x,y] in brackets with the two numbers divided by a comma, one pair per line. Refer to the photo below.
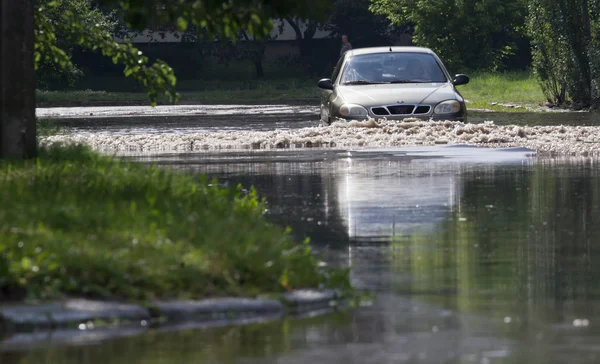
[475,255]
[178,129]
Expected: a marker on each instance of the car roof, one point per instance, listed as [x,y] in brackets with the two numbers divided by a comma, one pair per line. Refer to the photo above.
[399,49]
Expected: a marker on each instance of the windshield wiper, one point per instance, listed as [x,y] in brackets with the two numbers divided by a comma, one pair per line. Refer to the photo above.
[361,82]
[408,81]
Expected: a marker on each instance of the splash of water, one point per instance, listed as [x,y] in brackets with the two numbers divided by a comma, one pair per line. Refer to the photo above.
[546,140]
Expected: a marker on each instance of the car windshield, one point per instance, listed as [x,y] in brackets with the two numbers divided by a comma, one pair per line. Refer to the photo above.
[393,67]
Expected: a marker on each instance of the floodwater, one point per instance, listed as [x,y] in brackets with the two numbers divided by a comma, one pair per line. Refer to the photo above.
[181,129]
[475,255]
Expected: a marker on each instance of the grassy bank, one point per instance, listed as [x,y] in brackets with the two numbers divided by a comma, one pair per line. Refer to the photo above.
[487,89]
[483,91]
[76,223]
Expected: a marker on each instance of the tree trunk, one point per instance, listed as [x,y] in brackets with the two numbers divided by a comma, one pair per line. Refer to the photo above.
[260,72]
[17,80]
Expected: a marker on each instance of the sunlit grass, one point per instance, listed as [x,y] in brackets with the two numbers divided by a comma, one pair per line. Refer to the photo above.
[75,223]
[517,87]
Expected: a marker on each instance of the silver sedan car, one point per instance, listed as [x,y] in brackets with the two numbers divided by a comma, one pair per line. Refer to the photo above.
[392,83]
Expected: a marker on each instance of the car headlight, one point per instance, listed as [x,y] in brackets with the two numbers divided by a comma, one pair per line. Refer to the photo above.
[352,110]
[447,107]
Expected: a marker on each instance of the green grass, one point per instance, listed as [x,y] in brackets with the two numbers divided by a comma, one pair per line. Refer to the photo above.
[47,127]
[73,223]
[213,92]
[485,88]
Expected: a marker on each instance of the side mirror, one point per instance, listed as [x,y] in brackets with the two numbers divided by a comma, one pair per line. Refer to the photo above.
[460,79]
[325,84]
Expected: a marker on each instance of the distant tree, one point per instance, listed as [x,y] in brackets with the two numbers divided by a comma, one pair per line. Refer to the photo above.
[253,48]
[364,29]
[29,34]
[351,17]
[305,30]
[246,47]
[51,75]
[472,34]
[565,36]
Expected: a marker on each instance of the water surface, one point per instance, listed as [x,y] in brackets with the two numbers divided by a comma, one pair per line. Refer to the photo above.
[236,118]
[475,255]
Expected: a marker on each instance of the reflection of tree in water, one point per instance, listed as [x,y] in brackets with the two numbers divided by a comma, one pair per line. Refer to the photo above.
[520,241]
[255,342]
[520,235]
[12,357]
[302,197]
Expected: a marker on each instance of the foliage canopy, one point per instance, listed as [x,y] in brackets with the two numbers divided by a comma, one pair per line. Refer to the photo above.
[74,22]
[565,36]
[473,34]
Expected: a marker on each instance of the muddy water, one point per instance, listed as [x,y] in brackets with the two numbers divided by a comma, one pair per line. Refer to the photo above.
[475,255]
[133,130]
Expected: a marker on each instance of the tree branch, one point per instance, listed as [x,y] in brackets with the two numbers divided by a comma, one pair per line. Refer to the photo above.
[295,26]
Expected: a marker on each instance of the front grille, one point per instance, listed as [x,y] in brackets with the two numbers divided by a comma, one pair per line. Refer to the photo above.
[422,109]
[401,109]
[388,110]
[380,111]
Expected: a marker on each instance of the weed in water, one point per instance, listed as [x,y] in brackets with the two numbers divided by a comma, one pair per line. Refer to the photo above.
[47,127]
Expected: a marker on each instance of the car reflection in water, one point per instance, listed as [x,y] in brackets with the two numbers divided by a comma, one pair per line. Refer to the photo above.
[378,200]
[388,195]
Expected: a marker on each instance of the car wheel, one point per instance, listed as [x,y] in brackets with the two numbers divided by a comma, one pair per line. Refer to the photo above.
[323,118]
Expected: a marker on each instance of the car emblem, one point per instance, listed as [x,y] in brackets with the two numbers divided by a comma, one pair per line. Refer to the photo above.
[401,102]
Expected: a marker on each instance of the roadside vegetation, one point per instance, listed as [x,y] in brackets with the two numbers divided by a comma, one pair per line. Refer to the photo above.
[47,127]
[208,92]
[72,222]
[548,37]
[503,91]
[79,224]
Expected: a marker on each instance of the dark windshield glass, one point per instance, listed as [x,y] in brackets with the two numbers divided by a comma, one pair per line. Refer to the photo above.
[393,67]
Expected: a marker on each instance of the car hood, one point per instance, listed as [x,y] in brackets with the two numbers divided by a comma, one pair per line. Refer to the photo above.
[390,94]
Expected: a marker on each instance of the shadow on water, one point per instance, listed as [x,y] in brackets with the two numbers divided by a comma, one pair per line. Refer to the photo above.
[477,256]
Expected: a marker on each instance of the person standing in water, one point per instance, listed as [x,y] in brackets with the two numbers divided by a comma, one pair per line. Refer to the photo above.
[346,46]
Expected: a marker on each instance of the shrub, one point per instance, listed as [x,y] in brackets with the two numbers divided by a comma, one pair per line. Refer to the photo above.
[75,223]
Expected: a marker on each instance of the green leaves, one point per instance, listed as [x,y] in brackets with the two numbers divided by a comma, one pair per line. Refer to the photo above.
[73,22]
[182,24]
[92,226]
[218,17]
[565,41]
[472,34]
[78,24]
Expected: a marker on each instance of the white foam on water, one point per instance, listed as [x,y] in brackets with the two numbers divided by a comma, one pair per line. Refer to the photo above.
[545,140]
[171,110]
